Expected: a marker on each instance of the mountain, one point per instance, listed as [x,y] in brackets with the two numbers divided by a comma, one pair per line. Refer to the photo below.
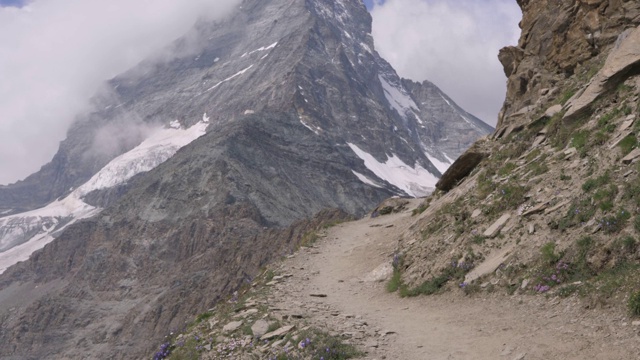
[195,170]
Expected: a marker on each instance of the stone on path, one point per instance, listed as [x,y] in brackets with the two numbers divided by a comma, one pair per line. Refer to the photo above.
[494,229]
[382,273]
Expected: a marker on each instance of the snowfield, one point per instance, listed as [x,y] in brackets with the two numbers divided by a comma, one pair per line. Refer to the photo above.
[415,181]
[22,234]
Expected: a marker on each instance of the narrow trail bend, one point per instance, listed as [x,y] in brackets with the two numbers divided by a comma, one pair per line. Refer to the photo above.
[447,326]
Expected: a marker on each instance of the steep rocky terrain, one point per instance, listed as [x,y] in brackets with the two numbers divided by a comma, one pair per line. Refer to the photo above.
[194,172]
[549,204]
[528,250]
[329,300]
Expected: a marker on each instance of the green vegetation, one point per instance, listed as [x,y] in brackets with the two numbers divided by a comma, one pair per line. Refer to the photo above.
[434,285]
[394,283]
[628,144]
[615,223]
[580,141]
[317,344]
[204,316]
[548,254]
[594,183]
[565,96]
[507,169]
[421,208]
[634,303]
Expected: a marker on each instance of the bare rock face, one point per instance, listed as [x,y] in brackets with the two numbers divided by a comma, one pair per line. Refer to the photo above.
[463,166]
[623,60]
[559,38]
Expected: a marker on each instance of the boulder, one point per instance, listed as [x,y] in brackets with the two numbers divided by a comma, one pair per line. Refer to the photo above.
[462,167]
[623,60]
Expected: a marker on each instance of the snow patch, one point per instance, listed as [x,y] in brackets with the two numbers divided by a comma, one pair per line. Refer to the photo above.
[440,165]
[365,179]
[264,48]
[398,98]
[415,181]
[230,78]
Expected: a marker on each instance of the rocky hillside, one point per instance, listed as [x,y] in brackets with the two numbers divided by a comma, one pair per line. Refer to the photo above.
[550,203]
[194,172]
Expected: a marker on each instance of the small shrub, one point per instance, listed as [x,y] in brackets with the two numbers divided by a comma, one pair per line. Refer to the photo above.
[396,278]
[478,239]
[420,209]
[627,144]
[615,223]
[568,94]
[627,244]
[567,291]
[204,316]
[580,141]
[316,344]
[580,212]
[507,169]
[455,272]
[548,252]
[594,183]
[634,304]
[395,282]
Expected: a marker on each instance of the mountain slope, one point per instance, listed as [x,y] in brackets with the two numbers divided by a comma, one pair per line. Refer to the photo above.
[548,205]
[290,90]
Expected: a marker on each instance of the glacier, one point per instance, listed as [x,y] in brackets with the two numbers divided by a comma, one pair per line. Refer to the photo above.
[415,181]
[24,233]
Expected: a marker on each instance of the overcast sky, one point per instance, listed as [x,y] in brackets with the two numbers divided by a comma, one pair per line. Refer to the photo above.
[453,44]
[54,54]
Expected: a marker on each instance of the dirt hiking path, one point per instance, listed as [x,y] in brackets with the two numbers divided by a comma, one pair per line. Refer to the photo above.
[331,286]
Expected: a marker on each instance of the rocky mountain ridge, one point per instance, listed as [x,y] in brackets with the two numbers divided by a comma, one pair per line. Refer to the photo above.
[301,116]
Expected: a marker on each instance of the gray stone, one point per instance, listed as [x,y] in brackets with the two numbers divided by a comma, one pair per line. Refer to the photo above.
[632,156]
[532,229]
[539,140]
[520,356]
[244,314]
[620,60]
[259,328]
[462,167]
[552,111]
[525,283]
[476,213]
[380,274]
[558,206]
[536,209]
[232,326]
[278,333]
[495,228]
[371,343]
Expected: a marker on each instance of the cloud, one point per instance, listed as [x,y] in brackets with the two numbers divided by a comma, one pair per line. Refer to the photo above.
[453,44]
[55,54]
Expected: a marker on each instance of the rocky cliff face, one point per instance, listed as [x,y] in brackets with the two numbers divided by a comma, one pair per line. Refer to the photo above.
[549,203]
[560,40]
[215,162]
